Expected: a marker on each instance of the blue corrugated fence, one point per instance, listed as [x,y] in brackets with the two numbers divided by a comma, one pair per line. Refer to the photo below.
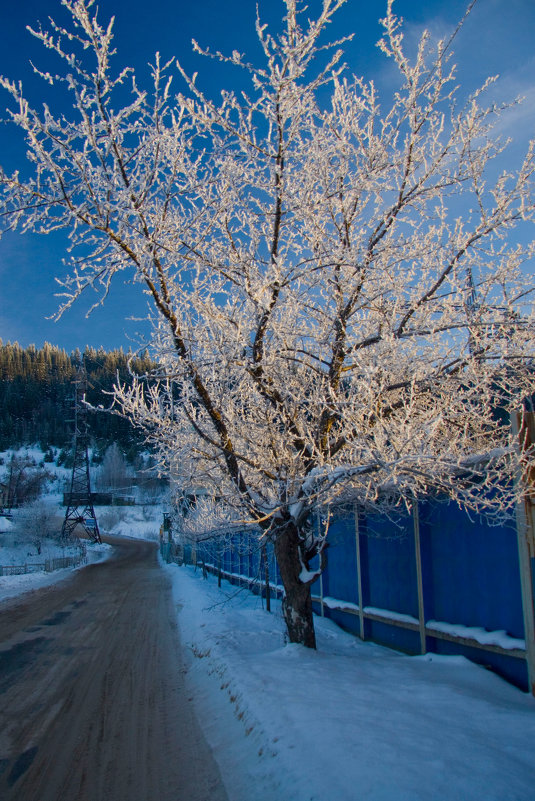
[434,581]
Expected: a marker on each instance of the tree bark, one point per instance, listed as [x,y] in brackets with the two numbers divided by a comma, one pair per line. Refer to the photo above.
[297,601]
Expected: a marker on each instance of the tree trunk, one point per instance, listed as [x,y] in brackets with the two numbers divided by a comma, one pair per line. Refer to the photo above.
[297,601]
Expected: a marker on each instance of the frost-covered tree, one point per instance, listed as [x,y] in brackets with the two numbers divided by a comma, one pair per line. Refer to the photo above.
[37,521]
[25,480]
[341,286]
[114,473]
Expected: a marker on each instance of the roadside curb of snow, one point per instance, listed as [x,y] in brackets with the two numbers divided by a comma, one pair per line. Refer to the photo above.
[242,744]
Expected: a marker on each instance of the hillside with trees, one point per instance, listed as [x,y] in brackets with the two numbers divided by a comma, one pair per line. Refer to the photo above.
[36,396]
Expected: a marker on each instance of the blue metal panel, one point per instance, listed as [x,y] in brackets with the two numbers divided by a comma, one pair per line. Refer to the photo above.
[227,561]
[255,558]
[394,637]
[340,579]
[472,571]
[344,620]
[240,555]
[234,554]
[391,564]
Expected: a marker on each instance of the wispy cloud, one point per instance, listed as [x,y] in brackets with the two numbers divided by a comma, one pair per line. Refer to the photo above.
[497,39]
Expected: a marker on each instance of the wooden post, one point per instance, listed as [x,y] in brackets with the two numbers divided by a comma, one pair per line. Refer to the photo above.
[359,571]
[418,556]
[524,428]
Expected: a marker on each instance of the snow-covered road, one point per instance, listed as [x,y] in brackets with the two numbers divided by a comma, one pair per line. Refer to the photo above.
[93,703]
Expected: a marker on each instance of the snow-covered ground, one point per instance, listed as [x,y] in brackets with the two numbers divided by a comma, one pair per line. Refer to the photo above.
[350,722]
[22,537]
[11,586]
[140,522]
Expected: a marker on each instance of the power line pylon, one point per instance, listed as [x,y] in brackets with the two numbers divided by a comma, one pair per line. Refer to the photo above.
[80,511]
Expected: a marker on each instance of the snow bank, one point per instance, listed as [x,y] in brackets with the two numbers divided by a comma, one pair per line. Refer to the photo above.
[350,721]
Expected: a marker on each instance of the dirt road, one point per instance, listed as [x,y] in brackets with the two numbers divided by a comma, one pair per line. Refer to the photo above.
[92,699]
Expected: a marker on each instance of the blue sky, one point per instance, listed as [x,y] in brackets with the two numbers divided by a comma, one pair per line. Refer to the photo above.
[498,38]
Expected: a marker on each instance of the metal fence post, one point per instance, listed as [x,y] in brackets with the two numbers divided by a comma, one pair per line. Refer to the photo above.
[359,571]
[418,555]
[524,428]
[318,532]
[266,577]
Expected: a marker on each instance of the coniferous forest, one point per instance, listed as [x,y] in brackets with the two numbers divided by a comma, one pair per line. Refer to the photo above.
[37,391]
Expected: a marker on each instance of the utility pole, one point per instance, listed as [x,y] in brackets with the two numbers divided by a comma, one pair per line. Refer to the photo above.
[80,509]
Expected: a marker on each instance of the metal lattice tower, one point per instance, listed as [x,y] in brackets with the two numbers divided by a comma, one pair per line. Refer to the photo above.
[80,511]
[471,306]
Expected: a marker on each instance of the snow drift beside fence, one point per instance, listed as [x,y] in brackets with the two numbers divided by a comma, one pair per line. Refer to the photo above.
[351,721]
